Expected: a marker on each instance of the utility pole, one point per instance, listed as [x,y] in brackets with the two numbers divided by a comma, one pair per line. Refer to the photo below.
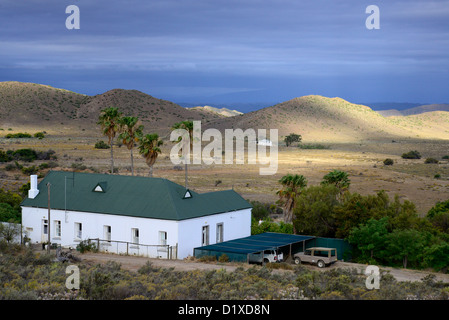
[48,230]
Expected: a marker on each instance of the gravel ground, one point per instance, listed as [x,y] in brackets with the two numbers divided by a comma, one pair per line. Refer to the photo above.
[134,263]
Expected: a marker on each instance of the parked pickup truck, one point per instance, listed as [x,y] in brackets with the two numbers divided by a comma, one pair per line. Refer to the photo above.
[266,256]
[317,255]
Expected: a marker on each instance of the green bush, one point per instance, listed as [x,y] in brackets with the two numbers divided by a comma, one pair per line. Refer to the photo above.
[431,160]
[86,246]
[28,155]
[313,146]
[29,170]
[101,145]
[39,135]
[5,157]
[388,162]
[411,155]
[18,135]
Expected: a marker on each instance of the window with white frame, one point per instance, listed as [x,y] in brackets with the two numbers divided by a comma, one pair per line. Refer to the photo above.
[219,237]
[205,236]
[78,230]
[57,224]
[45,226]
[162,238]
[162,241]
[135,235]
[107,233]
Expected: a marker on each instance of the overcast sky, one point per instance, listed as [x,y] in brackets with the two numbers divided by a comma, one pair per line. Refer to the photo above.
[230,50]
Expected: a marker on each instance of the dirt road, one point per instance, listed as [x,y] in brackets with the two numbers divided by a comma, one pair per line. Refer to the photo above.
[134,263]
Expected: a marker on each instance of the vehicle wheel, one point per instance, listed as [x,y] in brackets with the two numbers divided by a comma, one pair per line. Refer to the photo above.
[320,264]
[265,261]
[297,261]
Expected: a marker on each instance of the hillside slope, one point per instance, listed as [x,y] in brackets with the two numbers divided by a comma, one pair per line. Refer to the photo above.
[35,105]
[323,119]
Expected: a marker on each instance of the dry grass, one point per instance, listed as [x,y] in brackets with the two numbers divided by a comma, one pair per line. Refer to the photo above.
[410,179]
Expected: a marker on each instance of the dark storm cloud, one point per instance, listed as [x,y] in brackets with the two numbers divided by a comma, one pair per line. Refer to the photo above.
[176,48]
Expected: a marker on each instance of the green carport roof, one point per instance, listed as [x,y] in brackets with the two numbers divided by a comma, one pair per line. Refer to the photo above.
[256,243]
[144,197]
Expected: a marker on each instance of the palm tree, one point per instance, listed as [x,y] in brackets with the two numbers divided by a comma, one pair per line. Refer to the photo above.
[130,134]
[186,125]
[109,122]
[149,148]
[292,186]
[339,179]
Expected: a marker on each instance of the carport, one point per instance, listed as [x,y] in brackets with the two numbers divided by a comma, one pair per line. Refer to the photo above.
[239,249]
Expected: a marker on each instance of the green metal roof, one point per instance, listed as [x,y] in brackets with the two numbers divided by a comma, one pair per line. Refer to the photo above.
[256,243]
[145,197]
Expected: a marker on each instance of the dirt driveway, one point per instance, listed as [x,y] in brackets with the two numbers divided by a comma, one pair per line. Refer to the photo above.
[134,263]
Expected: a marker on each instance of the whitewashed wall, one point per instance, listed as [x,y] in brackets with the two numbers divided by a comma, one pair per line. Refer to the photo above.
[186,234]
[236,224]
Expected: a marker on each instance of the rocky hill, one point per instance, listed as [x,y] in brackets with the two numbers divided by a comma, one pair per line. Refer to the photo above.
[323,119]
[316,118]
[35,105]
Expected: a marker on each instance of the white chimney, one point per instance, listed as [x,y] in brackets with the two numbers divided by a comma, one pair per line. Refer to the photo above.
[34,191]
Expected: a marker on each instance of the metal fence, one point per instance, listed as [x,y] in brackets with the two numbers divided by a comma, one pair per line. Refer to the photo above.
[136,249]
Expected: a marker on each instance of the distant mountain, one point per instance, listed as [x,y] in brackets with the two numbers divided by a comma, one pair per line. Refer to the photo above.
[220,111]
[415,110]
[316,118]
[243,107]
[377,106]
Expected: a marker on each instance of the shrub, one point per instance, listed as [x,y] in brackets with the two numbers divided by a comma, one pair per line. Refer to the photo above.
[314,146]
[29,170]
[46,155]
[445,157]
[78,166]
[86,246]
[18,135]
[208,259]
[431,160]
[28,155]
[101,145]
[5,157]
[223,258]
[388,162]
[39,135]
[411,155]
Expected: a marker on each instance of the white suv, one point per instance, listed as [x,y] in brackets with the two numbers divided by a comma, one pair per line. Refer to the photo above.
[266,256]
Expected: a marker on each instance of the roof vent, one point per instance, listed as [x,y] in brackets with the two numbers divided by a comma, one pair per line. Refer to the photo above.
[188,194]
[100,187]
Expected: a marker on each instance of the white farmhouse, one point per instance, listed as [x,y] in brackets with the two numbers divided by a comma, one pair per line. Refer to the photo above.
[265,142]
[134,215]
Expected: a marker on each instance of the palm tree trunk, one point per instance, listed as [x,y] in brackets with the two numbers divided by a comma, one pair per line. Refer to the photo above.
[151,171]
[112,159]
[132,162]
